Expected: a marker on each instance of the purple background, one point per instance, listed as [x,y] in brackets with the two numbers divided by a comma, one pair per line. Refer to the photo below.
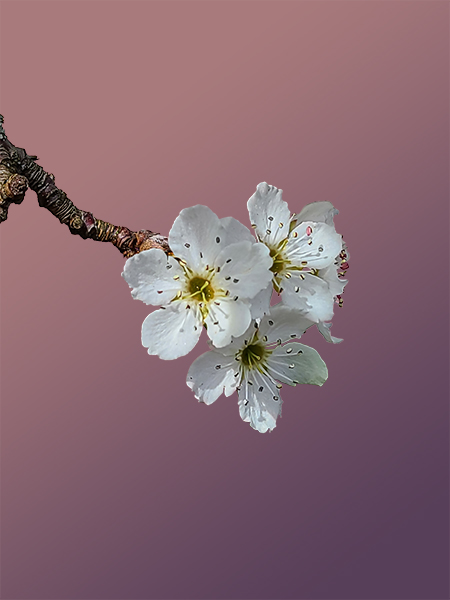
[116,483]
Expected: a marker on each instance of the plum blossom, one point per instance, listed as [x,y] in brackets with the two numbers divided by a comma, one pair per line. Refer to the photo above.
[219,277]
[309,257]
[256,364]
[216,271]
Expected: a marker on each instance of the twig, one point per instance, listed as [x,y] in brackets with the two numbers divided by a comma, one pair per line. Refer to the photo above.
[18,170]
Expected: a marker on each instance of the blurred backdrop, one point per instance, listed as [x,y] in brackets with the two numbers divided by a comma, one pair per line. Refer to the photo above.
[116,483]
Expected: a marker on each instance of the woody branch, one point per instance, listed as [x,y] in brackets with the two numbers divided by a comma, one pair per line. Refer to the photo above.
[19,171]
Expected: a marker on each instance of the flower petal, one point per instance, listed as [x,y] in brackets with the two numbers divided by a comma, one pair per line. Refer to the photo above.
[269,214]
[244,269]
[235,231]
[260,304]
[259,401]
[238,342]
[324,329]
[151,275]
[314,245]
[227,318]
[172,332]
[330,276]
[319,212]
[295,363]
[310,295]
[196,236]
[212,374]
[283,323]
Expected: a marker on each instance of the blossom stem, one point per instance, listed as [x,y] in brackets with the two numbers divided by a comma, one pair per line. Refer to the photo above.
[18,170]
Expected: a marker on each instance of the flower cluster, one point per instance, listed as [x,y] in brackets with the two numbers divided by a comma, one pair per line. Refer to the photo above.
[221,278]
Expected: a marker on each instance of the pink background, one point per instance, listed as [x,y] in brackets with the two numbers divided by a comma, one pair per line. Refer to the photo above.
[116,483]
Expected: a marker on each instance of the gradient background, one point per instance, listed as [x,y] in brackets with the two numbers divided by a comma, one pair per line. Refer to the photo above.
[116,483]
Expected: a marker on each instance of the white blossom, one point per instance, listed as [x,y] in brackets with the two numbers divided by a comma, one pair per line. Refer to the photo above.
[307,253]
[216,271]
[256,365]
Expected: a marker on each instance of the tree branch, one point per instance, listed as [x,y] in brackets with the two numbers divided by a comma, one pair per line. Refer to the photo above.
[18,170]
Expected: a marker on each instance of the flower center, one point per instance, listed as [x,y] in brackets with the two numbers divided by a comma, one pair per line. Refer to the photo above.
[200,289]
[254,356]
[279,260]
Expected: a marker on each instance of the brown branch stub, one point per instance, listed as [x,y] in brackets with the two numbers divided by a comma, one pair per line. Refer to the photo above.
[12,189]
[19,170]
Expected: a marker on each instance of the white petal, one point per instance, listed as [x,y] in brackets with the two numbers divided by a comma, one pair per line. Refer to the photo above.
[244,269]
[238,342]
[269,214]
[212,374]
[295,363]
[314,245]
[260,304]
[330,276]
[197,236]
[151,274]
[314,292]
[171,332]
[259,401]
[282,324]
[235,231]
[319,212]
[227,318]
[324,329]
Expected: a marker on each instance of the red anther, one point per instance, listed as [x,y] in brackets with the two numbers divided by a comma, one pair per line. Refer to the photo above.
[308,230]
[344,266]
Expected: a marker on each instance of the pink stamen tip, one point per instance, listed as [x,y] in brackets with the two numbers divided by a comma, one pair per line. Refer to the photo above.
[308,230]
[344,266]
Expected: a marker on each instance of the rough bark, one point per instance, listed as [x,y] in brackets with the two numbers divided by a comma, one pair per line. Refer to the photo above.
[19,170]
